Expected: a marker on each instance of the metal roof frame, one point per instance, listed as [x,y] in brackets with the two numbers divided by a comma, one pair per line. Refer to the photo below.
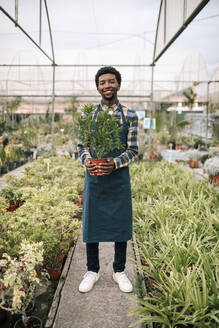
[54,65]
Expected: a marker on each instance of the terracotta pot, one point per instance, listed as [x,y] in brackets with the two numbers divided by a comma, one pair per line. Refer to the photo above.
[14,205]
[154,157]
[98,161]
[214,179]
[79,203]
[194,164]
[54,274]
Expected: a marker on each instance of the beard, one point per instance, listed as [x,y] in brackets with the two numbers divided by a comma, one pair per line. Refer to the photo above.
[109,98]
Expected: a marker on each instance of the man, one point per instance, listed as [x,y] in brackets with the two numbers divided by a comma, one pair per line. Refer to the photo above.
[107,207]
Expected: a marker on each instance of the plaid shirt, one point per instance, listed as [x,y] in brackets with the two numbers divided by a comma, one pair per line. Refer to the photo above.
[132,145]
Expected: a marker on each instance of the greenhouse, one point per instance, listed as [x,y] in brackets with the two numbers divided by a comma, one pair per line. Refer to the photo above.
[109,164]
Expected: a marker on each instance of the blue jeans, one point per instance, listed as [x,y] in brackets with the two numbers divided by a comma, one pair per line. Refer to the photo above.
[92,250]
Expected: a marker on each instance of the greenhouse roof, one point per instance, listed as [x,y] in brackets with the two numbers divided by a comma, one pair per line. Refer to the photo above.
[88,34]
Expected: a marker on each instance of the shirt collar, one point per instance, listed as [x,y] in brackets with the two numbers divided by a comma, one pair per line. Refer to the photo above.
[114,107]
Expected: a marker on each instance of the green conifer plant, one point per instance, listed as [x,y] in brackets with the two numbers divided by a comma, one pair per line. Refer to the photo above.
[102,136]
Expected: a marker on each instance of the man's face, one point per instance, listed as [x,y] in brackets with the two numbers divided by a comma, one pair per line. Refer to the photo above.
[108,87]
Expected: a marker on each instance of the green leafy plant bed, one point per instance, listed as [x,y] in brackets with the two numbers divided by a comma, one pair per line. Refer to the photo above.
[176,220]
[48,218]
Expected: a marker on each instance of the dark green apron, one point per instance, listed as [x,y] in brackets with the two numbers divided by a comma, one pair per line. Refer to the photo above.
[107,206]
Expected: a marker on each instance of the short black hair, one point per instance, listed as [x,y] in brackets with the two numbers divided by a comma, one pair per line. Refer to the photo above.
[108,70]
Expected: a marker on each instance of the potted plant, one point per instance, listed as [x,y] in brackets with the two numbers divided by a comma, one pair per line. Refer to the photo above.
[211,166]
[54,255]
[2,160]
[194,156]
[19,278]
[101,136]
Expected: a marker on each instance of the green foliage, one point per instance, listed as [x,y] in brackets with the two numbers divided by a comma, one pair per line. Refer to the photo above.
[2,156]
[19,277]
[190,96]
[13,104]
[72,128]
[176,225]
[194,154]
[160,117]
[198,143]
[11,107]
[13,153]
[103,135]
[3,125]
[212,166]
[50,190]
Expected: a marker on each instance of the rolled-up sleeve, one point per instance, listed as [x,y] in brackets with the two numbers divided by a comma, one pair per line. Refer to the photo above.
[132,141]
[83,153]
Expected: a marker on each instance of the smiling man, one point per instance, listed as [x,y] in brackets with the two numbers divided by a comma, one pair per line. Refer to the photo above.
[107,205]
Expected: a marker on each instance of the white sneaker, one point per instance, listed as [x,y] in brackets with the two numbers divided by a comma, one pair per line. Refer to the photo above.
[88,281]
[123,282]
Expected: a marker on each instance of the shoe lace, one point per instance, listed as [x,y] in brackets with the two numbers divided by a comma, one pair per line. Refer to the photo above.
[123,277]
[90,273]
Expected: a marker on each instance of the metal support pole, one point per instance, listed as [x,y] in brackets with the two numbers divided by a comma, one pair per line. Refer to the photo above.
[195,12]
[21,28]
[40,24]
[50,31]
[151,105]
[69,96]
[16,12]
[75,65]
[53,107]
[207,107]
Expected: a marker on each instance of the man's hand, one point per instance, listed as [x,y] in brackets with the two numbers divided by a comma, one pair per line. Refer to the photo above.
[92,168]
[106,168]
[102,168]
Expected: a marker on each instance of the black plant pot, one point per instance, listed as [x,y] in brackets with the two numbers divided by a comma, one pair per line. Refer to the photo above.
[33,322]
[29,310]
[10,166]
[28,153]
[3,315]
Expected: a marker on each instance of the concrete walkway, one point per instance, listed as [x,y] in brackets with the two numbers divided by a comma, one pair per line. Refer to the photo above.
[103,307]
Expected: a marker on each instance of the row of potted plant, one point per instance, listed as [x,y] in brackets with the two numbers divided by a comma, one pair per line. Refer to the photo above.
[11,156]
[40,209]
[176,222]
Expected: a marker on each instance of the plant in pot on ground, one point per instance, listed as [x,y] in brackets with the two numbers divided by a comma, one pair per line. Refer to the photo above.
[19,277]
[102,136]
[211,166]
[194,156]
